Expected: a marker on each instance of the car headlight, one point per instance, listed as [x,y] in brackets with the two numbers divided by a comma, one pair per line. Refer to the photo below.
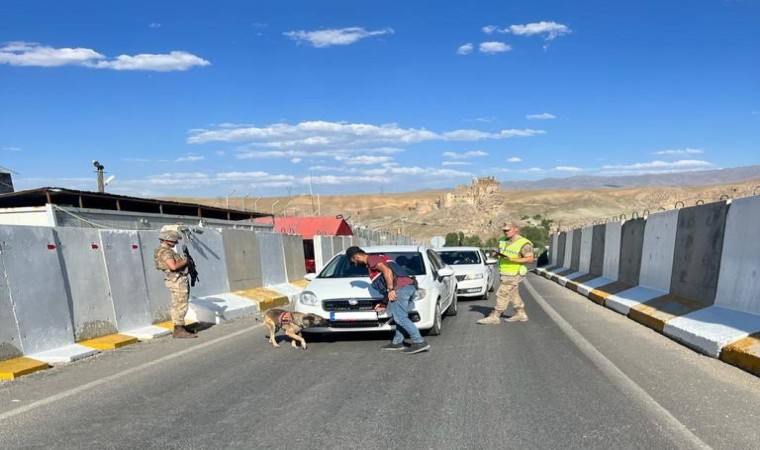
[309,298]
[474,276]
[421,293]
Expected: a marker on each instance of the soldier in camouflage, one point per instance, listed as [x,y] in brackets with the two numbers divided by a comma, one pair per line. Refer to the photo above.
[515,252]
[175,270]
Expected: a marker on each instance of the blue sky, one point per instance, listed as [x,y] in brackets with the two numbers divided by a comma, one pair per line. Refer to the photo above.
[197,98]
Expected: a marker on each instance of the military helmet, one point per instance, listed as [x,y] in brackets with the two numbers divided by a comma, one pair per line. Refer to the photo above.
[169,235]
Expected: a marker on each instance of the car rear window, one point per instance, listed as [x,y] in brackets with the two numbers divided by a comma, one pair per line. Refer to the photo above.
[340,267]
[456,258]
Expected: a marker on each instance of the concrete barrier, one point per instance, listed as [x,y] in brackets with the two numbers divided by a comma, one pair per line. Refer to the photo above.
[593,266]
[583,257]
[295,261]
[337,245]
[611,262]
[272,259]
[10,339]
[126,278]
[84,271]
[38,296]
[696,264]
[159,301]
[656,263]
[323,251]
[208,252]
[567,256]
[241,252]
[631,243]
[735,314]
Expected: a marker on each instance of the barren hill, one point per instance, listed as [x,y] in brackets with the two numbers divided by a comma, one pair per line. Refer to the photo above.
[480,210]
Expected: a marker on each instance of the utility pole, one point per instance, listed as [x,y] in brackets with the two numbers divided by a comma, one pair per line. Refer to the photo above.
[311,193]
[99,169]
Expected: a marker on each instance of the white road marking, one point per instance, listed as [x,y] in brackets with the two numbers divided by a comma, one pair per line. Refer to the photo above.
[122,374]
[620,379]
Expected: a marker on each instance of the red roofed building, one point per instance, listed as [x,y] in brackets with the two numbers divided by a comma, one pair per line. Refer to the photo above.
[308,227]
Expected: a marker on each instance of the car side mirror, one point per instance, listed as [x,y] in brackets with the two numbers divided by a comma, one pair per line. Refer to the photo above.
[445,271]
[490,261]
[310,276]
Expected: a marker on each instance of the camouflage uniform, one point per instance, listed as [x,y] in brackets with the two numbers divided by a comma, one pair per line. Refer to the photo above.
[509,290]
[176,282]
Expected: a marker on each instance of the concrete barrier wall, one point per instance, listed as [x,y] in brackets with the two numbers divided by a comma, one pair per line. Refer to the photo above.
[241,252]
[337,245]
[596,261]
[553,248]
[10,340]
[658,249]
[126,278]
[739,280]
[569,249]
[273,269]
[36,289]
[587,239]
[159,301]
[295,261]
[612,234]
[207,250]
[84,271]
[575,257]
[561,246]
[323,251]
[631,243]
[698,248]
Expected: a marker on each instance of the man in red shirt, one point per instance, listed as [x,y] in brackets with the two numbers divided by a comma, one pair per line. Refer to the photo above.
[400,290]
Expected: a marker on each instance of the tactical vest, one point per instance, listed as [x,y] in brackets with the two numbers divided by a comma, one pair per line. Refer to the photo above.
[512,249]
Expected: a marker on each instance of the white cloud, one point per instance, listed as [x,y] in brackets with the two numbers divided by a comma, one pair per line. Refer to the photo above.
[568,169]
[154,25]
[174,61]
[494,47]
[190,158]
[363,159]
[322,138]
[550,30]
[464,155]
[321,168]
[219,153]
[296,160]
[534,169]
[337,36]
[654,167]
[456,163]
[31,54]
[36,55]
[11,149]
[542,116]
[465,49]
[686,151]
[514,159]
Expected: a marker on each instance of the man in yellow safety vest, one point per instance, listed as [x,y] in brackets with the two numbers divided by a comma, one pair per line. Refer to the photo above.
[515,252]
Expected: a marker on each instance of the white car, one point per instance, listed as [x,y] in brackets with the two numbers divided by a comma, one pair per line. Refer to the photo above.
[342,294]
[474,271]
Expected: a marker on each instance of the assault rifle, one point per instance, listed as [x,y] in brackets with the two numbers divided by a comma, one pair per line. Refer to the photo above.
[191,270]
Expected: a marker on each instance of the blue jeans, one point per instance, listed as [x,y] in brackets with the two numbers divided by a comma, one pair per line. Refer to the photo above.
[399,310]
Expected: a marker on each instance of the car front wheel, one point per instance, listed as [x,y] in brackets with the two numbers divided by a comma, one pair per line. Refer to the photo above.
[453,308]
[436,330]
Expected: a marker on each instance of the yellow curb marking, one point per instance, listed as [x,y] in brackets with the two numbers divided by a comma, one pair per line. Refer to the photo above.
[744,354]
[109,342]
[300,283]
[656,312]
[13,368]
[265,298]
[169,325]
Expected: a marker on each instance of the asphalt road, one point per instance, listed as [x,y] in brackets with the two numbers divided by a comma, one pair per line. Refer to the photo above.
[576,376]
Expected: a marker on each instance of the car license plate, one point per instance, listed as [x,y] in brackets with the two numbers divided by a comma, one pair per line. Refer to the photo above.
[351,316]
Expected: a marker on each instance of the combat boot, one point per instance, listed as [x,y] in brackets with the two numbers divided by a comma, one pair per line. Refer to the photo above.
[519,316]
[491,319]
[182,333]
[190,330]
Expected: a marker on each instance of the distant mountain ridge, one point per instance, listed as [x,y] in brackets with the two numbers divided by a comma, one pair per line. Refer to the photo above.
[680,179]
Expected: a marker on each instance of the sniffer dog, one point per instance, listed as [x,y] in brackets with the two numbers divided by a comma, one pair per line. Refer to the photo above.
[292,322]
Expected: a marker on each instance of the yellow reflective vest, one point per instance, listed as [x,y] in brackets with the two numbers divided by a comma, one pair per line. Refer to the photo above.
[512,249]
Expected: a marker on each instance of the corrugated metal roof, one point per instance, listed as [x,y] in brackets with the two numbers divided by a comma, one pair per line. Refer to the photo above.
[114,202]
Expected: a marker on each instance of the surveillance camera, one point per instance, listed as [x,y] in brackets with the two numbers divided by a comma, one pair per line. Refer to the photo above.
[97,164]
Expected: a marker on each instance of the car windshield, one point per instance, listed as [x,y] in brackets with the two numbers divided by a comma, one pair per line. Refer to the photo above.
[340,267]
[456,258]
